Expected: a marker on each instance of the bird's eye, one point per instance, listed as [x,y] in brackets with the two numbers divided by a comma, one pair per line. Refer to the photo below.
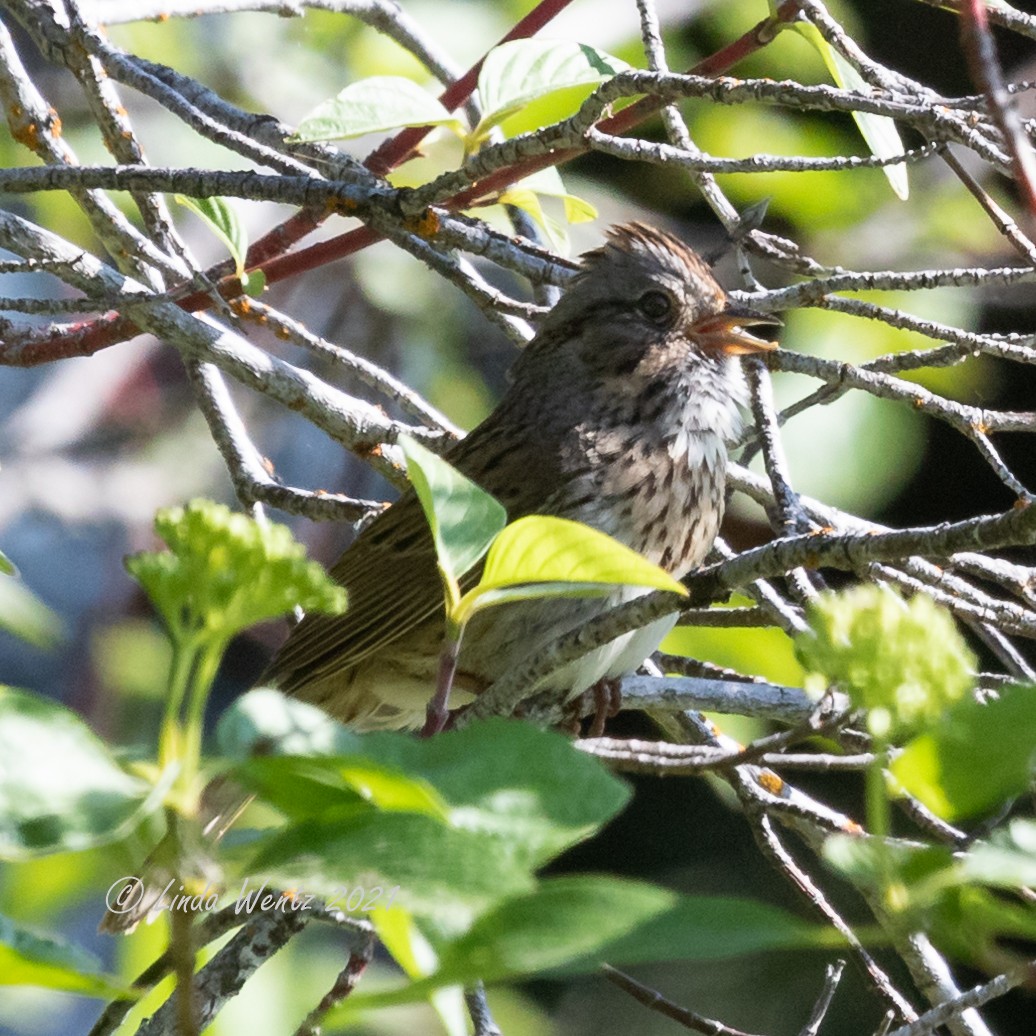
[657,306]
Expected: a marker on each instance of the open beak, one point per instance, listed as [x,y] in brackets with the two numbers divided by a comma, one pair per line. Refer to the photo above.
[725,333]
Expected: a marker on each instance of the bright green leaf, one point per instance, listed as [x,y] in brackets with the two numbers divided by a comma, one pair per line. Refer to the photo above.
[253,284]
[28,959]
[7,566]
[1006,859]
[463,517]
[410,949]
[975,757]
[23,614]
[60,789]
[878,131]
[518,74]
[542,549]
[303,787]
[374,105]
[222,219]
[526,195]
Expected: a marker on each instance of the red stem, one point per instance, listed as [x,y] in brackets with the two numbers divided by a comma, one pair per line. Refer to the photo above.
[980,52]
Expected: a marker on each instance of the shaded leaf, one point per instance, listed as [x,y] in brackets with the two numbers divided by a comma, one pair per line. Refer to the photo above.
[463,517]
[539,796]
[60,789]
[574,924]
[28,959]
[444,873]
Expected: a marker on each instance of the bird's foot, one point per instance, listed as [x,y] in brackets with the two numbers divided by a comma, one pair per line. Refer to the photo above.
[603,700]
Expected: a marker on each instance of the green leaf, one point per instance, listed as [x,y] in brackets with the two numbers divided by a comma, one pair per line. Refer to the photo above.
[267,722]
[975,757]
[444,873]
[572,925]
[7,566]
[28,959]
[60,789]
[463,517]
[526,195]
[23,614]
[374,105]
[539,796]
[410,949]
[903,661]
[575,924]
[562,558]
[222,219]
[1006,859]
[225,572]
[531,83]
[879,131]
[253,284]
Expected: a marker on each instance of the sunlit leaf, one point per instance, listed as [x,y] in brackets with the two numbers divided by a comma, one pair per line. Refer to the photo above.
[517,75]
[879,131]
[543,549]
[975,757]
[374,105]
[225,571]
[526,195]
[904,661]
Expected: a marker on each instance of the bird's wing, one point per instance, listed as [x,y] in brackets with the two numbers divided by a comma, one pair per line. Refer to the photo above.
[392,579]
[390,571]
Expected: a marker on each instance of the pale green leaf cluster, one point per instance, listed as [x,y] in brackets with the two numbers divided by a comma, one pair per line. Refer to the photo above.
[224,572]
[903,661]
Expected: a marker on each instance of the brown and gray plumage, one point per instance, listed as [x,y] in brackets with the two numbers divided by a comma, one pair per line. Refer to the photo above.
[617,415]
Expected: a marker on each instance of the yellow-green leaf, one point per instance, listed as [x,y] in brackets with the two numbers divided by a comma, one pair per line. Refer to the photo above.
[878,131]
[541,549]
